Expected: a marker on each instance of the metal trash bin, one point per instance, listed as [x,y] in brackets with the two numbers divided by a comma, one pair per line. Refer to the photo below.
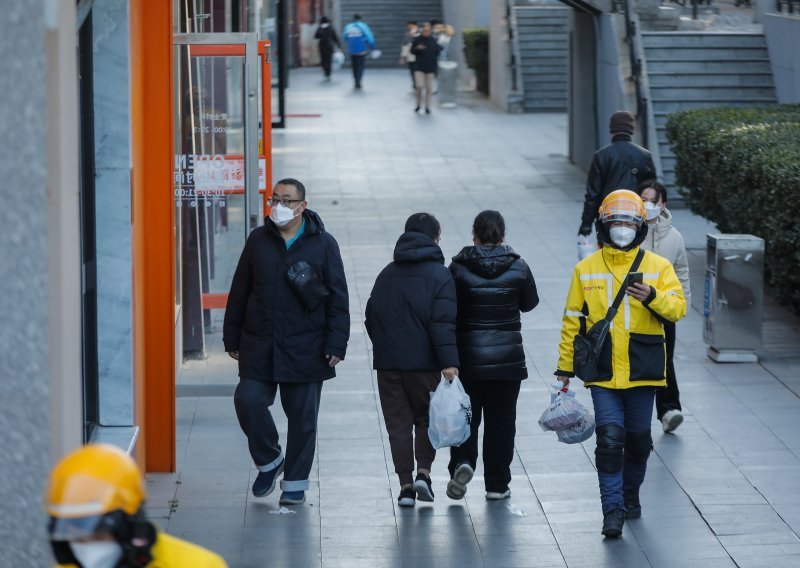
[734,297]
[448,78]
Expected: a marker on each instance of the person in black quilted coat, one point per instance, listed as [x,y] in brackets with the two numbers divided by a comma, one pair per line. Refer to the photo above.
[493,285]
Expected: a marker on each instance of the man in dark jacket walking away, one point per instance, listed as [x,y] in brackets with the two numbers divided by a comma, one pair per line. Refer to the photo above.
[619,165]
[493,285]
[327,39]
[411,320]
[287,333]
[426,51]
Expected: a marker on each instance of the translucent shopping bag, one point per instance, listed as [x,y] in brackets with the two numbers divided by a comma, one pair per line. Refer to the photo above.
[338,60]
[450,414]
[578,432]
[564,410]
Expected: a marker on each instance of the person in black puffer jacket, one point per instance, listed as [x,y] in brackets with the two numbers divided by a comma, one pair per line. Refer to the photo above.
[411,320]
[493,285]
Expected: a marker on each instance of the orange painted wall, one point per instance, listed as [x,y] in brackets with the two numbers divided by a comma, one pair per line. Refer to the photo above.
[153,232]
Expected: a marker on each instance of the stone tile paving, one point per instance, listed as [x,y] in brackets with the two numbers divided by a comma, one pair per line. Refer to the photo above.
[721,492]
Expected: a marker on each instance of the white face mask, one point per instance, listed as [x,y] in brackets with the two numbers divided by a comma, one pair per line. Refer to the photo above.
[98,554]
[281,215]
[652,210]
[622,236]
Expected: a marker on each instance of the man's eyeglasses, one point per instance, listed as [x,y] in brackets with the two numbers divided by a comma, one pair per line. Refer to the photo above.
[273,201]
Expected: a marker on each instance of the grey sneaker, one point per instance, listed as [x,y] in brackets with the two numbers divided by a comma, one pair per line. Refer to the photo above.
[457,486]
[671,420]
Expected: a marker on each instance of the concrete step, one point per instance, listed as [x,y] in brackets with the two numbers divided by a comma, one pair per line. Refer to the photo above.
[654,54]
[674,106]
[752,65]
[741,92]
[702,40]
[711,80]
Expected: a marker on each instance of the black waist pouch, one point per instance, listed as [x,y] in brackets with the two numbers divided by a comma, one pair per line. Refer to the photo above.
[307,285]
[587,349]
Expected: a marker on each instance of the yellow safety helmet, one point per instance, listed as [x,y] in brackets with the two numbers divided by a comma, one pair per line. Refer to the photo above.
[89,488]
[622,205]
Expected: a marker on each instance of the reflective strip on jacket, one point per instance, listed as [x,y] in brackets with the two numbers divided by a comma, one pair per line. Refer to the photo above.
[636,354]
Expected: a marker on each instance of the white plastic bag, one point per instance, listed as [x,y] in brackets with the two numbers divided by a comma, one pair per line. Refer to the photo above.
[564,410]
[375,54]
[578,432]
[585,247]
[338,60]
[450,414]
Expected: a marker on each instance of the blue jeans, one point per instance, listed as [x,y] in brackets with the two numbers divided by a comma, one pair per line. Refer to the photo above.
[631,409]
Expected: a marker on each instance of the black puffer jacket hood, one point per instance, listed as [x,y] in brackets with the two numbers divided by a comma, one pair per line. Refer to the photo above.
[417,247]
[487,261]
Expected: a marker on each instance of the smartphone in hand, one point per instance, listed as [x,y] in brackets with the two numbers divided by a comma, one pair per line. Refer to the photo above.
[635,278]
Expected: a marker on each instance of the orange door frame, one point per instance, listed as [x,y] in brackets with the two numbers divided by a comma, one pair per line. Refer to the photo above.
[153,221]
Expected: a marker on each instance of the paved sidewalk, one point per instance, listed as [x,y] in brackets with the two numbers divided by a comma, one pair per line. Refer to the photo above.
[723,491]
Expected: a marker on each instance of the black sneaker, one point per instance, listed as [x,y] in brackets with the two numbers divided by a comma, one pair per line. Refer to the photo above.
[407,497]
[612,523]
[632,505]
[266,480]
[423,487]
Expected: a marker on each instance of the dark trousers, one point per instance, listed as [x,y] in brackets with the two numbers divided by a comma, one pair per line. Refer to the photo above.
[411,69]
[405,396]
[300,402]
[358,62]
[631,409]
[669,398]
[327,58]
[496,402]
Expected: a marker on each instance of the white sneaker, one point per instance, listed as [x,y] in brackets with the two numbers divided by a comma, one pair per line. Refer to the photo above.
[457,487]
[496,495]
[671,420]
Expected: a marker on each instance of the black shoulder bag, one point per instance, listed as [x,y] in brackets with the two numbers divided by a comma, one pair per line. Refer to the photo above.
[587,348]
[304,281]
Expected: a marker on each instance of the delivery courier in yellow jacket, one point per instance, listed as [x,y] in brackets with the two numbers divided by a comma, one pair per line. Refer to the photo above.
[632,360]
[94,500]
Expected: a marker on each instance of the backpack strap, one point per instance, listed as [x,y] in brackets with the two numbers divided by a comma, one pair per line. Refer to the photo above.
[612,311]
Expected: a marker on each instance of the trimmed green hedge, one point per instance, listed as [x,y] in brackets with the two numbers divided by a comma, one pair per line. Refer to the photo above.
[476,52]
[741,170]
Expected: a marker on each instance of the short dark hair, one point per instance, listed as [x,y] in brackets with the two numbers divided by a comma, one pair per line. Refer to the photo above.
[489,227]
[356,16]
[434,22]
[424,223]
[301,189]
[411,23]
[324,20]
[661,190]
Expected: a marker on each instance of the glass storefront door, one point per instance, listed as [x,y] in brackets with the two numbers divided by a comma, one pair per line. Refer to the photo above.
[222,170]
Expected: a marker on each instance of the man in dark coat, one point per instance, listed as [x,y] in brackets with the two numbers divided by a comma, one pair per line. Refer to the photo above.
[327,39]
[619,165]
[411,320]
[278,339]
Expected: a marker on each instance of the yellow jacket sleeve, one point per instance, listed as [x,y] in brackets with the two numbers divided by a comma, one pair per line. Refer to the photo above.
[668,301]
[571,323]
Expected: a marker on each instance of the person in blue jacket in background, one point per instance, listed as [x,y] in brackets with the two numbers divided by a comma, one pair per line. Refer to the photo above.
[359,42]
